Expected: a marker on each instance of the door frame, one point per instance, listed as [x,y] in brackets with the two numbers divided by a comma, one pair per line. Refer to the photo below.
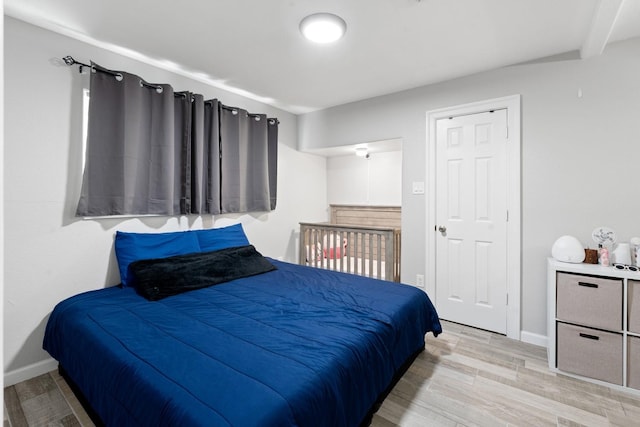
[514,176]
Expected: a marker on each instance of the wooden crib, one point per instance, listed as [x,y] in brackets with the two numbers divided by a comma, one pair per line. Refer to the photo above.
[362,240]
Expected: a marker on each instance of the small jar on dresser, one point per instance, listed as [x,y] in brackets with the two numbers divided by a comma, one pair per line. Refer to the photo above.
[593,326]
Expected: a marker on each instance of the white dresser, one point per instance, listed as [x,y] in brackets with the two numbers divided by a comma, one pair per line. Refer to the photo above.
[593,325]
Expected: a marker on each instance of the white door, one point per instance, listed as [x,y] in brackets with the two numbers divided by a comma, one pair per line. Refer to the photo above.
[471,219]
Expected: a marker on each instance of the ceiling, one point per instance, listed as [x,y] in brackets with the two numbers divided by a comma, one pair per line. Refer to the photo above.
[254,47]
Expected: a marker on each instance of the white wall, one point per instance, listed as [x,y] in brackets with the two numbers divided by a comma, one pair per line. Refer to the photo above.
[49,253]
[580,155]
[373,181]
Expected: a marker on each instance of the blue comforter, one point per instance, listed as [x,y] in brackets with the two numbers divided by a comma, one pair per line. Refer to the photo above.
[295,346]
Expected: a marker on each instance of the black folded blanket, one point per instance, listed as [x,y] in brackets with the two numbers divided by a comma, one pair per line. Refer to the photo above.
[163,277]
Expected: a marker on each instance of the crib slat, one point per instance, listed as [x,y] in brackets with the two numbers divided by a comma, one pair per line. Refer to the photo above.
[379,256]
[390,262]
[349,249]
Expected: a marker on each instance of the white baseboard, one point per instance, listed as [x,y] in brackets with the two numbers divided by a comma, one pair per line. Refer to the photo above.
[28,372]
[535,339]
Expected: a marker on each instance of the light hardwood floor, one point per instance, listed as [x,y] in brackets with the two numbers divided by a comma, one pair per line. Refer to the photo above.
[466,377]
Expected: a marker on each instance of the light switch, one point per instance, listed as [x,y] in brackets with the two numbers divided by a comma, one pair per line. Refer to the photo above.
[418,188]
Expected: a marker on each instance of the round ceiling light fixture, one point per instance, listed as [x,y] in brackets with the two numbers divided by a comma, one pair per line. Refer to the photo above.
[323,27]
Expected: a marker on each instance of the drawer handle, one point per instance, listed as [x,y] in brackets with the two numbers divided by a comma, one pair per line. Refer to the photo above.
[591,337]
[587,284]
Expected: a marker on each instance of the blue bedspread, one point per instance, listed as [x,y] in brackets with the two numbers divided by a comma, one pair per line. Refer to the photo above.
[295,346]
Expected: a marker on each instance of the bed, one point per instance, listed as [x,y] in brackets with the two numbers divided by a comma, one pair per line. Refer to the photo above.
[292,345]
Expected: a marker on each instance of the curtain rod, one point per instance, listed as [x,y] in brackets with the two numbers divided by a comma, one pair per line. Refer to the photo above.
[69,60]
[256,116]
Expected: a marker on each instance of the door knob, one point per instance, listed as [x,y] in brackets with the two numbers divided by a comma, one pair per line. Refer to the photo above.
[442,229]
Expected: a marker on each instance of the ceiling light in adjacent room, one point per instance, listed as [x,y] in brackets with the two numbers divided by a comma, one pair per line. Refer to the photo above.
[323,27]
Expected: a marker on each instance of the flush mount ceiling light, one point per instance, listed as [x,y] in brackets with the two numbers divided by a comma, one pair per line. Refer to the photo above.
[323,27]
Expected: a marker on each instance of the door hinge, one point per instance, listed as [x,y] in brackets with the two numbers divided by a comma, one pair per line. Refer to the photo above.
[506,132]
[507,216]
[507,299]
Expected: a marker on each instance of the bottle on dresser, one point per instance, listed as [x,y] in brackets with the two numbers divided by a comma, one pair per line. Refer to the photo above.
[603,256]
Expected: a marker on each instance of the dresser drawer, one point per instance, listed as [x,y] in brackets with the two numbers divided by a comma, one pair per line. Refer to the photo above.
[633,362]
[633,298]
[591,301]
[590,352]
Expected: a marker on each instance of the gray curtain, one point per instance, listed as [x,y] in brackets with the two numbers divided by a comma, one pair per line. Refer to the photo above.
[246,159]
[212,156]
[153,151]
[182,148]
[273,161]
[130,164]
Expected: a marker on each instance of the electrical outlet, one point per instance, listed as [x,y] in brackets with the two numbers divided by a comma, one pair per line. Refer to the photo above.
[420,280]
